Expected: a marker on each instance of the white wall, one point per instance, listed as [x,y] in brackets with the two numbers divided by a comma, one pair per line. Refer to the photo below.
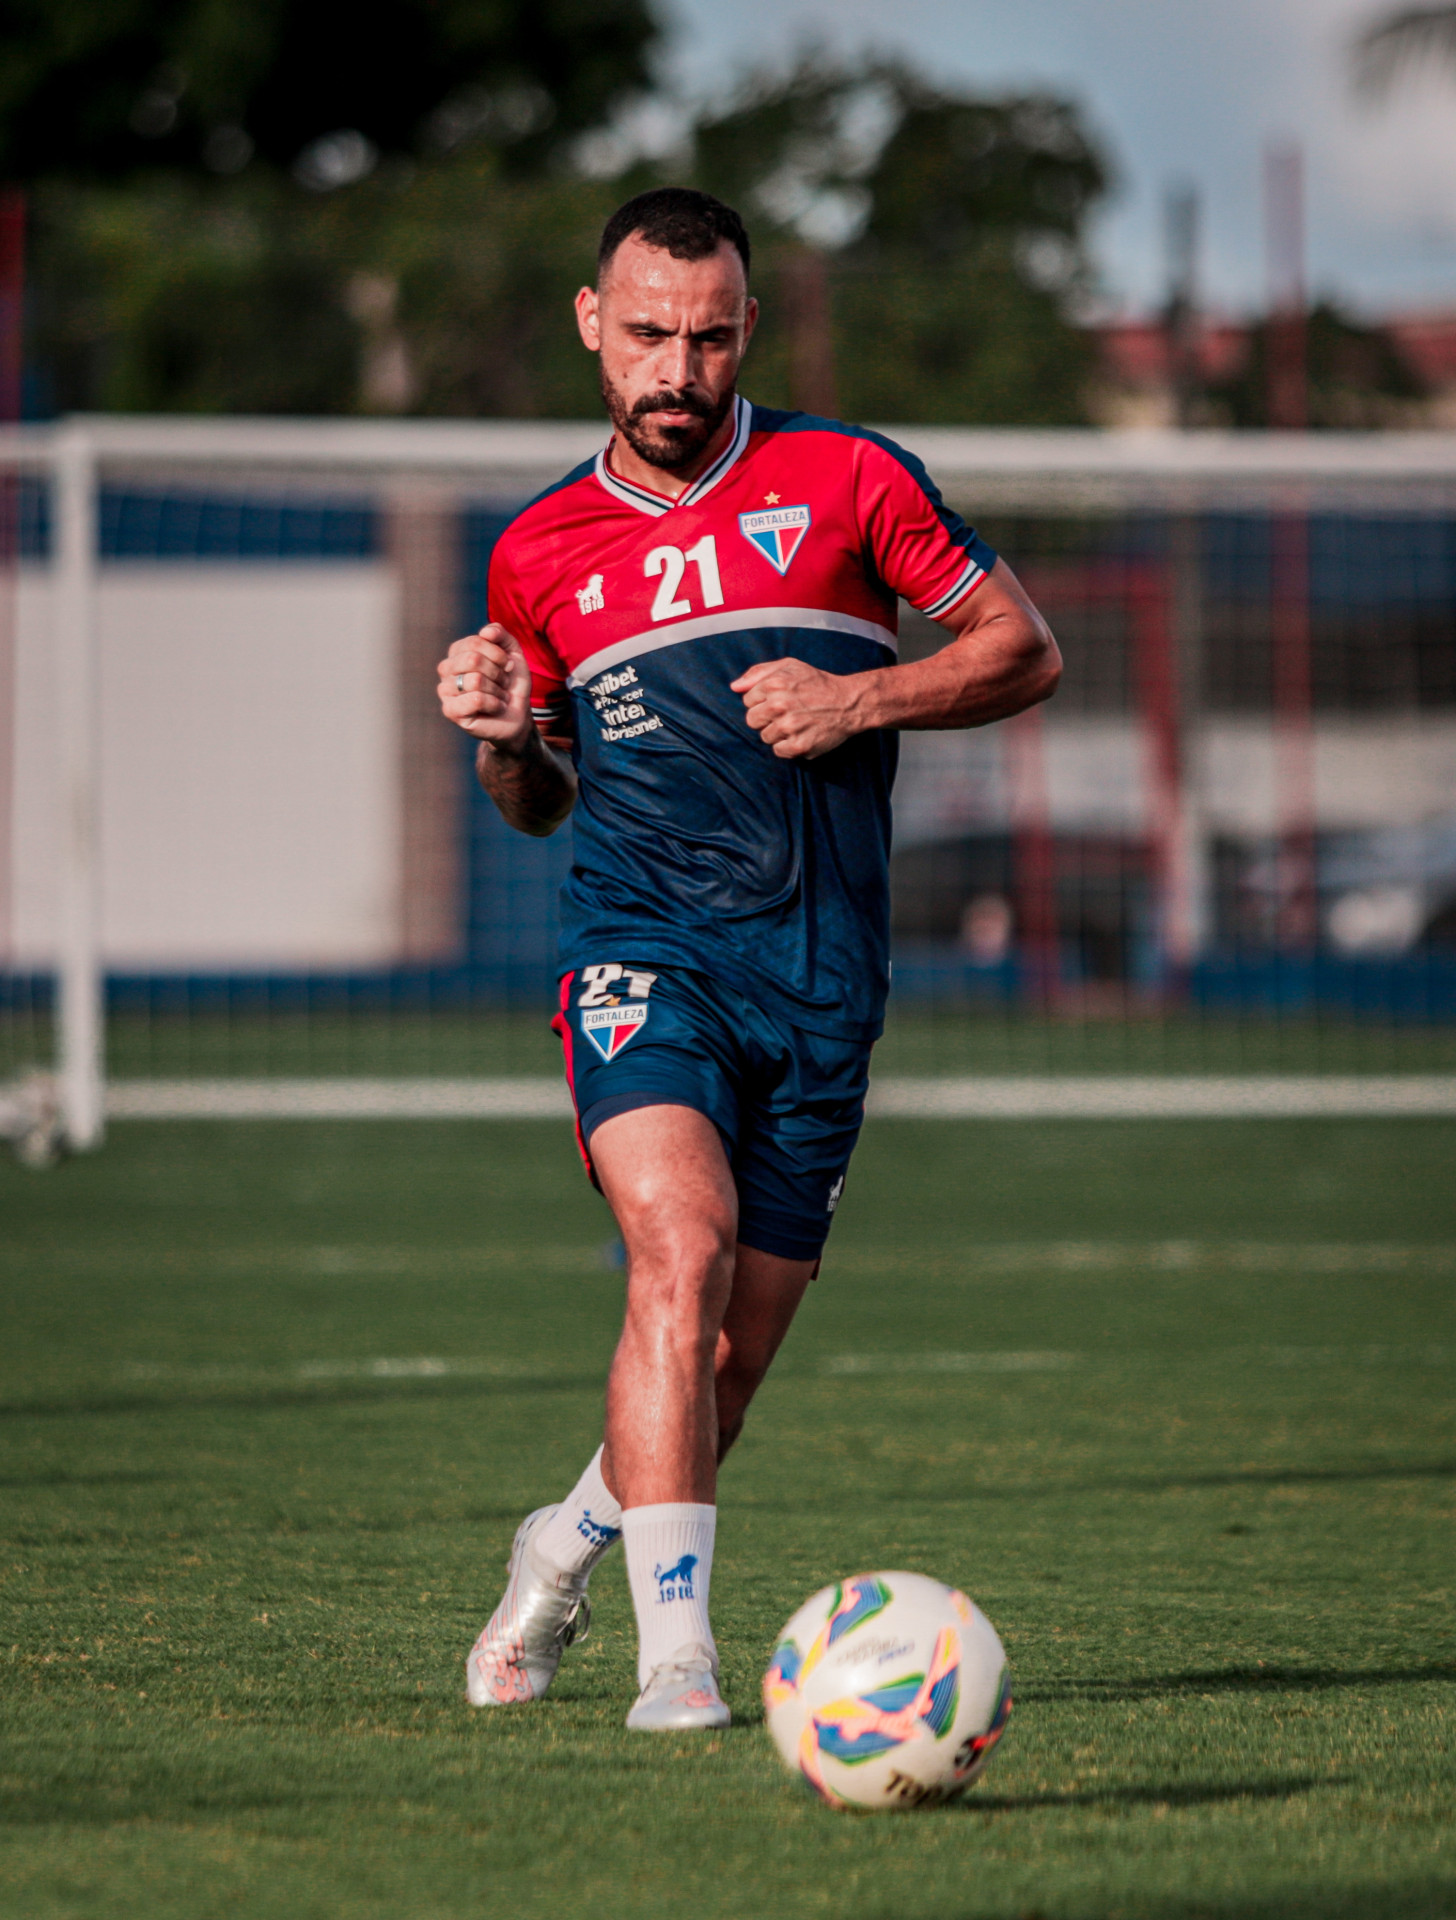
[250,767]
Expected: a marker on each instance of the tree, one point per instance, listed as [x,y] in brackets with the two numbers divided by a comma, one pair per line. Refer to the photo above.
[180,152]
[1356,376]
[842,154]
[174,294]
[952,229]
[107,88]
[1404,39]
[944,238]
[955,170]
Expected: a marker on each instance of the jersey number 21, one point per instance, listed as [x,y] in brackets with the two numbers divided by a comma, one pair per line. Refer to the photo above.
[672,564]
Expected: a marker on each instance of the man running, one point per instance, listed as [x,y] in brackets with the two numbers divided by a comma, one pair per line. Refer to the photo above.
[692,644]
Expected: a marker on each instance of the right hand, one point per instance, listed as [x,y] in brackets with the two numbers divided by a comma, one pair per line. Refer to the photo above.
[493,698]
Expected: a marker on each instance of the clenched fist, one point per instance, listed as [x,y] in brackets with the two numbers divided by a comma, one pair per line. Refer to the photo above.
[485,687]
[798,710]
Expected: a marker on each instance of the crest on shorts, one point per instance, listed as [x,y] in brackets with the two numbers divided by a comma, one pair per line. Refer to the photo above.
[777,533]
[610,1028]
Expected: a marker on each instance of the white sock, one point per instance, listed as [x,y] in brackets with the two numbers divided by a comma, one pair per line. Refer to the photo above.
[584,1527]
[669,1564]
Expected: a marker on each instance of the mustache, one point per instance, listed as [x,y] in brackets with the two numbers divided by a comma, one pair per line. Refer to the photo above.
[669,402]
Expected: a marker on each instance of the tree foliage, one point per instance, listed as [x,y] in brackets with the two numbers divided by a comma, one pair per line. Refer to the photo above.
[876,154]
[102,88]
[1404,39]
[178,298]
[954,229]
[954,169]
[1355,376]
[949,229]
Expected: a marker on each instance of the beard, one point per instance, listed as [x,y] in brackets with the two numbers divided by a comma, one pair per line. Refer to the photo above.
[670,448]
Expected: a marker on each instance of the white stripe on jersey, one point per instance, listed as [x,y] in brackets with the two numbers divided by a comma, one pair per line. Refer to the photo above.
[818,619]
[973,574]
[645,501]
[727,458]
[625,491]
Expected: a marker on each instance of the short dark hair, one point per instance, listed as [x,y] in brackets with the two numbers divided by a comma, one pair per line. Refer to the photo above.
[681,221]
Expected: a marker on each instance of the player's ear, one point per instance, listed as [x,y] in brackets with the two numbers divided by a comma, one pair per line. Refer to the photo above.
[589,319]
[750,320]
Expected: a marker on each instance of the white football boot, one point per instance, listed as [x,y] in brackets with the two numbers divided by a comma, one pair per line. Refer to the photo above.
[681,1694]
[540,1613]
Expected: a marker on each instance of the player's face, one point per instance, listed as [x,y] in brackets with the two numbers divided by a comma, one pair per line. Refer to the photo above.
[671,334]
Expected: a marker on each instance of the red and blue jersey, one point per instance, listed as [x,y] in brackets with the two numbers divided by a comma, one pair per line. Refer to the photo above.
[694,845]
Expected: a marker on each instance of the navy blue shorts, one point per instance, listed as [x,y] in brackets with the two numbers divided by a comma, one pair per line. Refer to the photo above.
[787,1103]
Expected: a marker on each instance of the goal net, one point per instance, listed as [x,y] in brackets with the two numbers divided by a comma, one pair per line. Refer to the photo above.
[244,866]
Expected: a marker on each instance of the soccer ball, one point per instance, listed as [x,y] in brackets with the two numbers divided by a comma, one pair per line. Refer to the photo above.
[888,1691]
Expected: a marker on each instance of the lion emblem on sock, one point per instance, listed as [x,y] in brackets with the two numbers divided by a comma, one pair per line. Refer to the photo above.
[676,1582]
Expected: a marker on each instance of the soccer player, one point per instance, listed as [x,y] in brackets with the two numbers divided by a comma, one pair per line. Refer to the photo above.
[692,645]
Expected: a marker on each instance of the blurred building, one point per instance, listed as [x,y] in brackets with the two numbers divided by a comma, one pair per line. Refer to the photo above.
[1134,383]
[1427,341]
[1137,371]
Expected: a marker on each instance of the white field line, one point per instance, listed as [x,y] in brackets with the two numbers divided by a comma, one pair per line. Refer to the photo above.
[991,1097]
[1154,1256]
[944,1361]
[420,1367]
[523,1097]
[336,1263]
[524,1372]
[938,1360]
[991,1361]
[972,1262]
[1170,1096]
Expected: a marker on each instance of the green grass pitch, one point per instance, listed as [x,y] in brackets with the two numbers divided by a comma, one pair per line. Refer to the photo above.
[1172,1401]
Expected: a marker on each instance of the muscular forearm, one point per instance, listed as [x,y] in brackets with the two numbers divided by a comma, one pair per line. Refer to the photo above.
[533,786]
[978,678]
[1001,658]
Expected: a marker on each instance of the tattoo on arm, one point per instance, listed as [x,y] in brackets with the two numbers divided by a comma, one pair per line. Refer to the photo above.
[534,789]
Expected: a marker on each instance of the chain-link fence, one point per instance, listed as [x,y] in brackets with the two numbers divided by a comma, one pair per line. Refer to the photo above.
[245,862]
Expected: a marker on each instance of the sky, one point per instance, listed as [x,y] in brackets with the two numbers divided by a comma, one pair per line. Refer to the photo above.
[1182,92]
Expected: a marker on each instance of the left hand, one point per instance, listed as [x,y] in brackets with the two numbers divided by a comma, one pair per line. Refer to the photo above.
[798,710]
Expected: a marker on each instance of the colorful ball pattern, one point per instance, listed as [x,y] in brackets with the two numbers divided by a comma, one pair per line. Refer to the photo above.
[888,1691]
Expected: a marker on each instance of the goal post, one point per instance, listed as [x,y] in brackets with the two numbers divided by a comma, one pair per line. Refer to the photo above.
[245,852]
[80,982]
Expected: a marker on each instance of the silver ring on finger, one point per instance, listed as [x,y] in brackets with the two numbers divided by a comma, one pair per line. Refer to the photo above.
[460,683]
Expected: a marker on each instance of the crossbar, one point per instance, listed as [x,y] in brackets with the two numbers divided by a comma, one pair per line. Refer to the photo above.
[999,1097]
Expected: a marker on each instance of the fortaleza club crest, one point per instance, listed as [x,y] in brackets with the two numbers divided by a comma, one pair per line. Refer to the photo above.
[777,533]
[610,1028]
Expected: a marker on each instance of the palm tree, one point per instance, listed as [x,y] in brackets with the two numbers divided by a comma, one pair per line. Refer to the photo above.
[1402,40]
